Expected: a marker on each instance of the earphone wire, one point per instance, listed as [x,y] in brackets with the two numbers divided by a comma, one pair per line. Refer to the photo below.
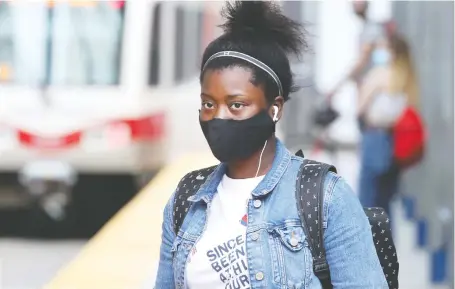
[265,144]
[257,172]
[260,159]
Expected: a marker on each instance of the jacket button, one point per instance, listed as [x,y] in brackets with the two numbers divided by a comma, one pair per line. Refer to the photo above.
[255,236]
[257,203]
[259,276]
[294,242]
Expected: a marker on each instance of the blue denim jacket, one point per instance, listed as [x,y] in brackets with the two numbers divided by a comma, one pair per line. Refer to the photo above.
[272,261]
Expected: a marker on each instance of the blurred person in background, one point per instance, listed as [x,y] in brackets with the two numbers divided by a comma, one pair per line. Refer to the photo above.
[245,80]
[388,89]
[370,33]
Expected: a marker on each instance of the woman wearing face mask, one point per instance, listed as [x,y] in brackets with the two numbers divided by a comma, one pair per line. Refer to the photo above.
[387,90]
[226,239]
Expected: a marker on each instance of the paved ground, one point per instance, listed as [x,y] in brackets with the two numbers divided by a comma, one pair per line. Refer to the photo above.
[29,264]
[26,264]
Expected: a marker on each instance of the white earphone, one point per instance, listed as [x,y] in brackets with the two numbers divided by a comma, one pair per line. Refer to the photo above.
[275,113]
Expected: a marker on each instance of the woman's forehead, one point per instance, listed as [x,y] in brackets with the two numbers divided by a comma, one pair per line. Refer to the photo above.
[234,76]
[233,80]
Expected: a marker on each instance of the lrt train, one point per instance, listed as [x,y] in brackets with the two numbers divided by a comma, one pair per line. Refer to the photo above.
[93,95]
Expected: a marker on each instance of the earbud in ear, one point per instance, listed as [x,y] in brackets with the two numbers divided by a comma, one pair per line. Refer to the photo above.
[275,113]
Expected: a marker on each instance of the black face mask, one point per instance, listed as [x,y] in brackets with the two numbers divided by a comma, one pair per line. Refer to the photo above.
[232,140]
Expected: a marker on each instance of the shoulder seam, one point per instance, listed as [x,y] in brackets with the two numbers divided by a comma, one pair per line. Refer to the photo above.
[328,194]
[171,210]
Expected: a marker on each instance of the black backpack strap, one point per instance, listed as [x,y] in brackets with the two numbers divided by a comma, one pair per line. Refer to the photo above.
[187,187]
[310,201]
[383,241]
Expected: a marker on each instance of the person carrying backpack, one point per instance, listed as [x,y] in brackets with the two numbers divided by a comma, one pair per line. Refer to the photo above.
[393,137]
[263,217]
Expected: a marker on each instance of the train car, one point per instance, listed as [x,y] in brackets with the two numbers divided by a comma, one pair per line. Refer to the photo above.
[93,94]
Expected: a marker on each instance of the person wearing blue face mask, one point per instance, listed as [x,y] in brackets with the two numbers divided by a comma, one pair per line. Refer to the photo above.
[381,56]
[242,228]
[387,90]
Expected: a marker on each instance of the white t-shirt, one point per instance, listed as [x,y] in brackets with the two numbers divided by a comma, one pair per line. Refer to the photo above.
[218,260]
[385,109]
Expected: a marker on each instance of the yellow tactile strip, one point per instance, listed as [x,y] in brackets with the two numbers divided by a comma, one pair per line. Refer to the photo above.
[121,254]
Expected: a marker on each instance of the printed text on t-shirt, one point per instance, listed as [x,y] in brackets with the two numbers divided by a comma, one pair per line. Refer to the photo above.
[229,260]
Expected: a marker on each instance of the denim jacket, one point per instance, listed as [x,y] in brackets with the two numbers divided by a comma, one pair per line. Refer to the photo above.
[272,261]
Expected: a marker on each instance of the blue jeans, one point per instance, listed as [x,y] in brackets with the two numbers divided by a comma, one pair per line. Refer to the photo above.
[378,175]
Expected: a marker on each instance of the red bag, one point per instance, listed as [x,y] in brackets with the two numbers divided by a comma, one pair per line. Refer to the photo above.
[409,138]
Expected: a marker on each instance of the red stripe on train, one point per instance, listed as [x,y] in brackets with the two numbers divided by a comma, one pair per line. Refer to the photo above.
[149,128]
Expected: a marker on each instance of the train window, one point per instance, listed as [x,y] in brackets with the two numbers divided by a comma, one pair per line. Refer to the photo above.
[63,43]
[154,63]
[6,45]
[191,26]
[188,39]
[179,44]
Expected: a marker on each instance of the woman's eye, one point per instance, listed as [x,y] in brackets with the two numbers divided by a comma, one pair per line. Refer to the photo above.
[237,105]
[207,105]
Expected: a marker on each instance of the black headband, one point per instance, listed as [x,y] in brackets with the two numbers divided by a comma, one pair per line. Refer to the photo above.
[251,60]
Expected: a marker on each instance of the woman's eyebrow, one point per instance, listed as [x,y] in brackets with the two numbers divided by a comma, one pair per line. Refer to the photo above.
[228,96]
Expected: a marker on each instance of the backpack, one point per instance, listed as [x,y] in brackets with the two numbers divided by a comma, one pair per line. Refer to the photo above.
[310,194]
[409,138]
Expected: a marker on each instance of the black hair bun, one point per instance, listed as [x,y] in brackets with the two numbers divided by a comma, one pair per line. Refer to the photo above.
[264,23]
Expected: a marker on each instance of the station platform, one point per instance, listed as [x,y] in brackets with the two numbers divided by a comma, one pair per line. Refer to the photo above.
[124,252]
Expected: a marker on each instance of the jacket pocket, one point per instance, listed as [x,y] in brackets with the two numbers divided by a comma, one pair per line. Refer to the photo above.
[292,237]
[290,255]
